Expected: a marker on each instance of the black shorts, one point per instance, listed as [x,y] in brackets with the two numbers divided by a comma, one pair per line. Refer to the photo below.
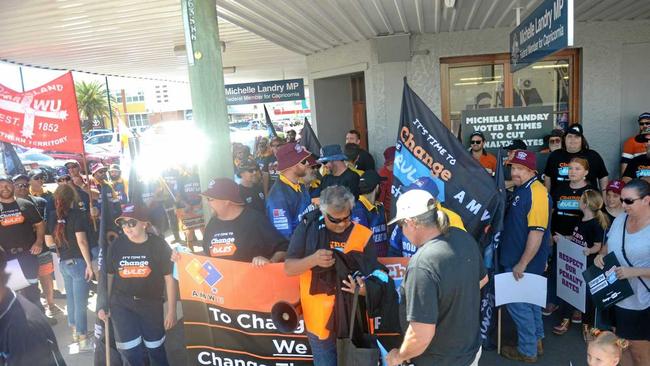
[633,325]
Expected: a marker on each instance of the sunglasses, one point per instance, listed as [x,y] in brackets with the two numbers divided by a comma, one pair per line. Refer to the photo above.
[304,162]
[476,142]
[38,177]
[555,141]
[644,124]
[338,221]
[630,201]
[127,222]
[63,180]
[250,170]
[21,185]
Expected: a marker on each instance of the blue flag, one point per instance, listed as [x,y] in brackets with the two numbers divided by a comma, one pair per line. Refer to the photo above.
[269,124]
[426,148]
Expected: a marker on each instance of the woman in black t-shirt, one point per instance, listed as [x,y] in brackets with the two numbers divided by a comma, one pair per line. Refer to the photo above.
[139,272]
[589,233]
[69,234]
[566,215]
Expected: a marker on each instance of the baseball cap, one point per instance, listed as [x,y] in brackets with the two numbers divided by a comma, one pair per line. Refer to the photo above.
[34,173]
[575,129]
[477,133]
[223,189]
[62,172]
[331,153]
[644,115]
[290,154]
[369,180]
[644,136]
[72,161]
[615,186]
[425,183]
[412,203]
[114,167]
[525,158]
[97,167]
[311,160]
[517,144]
[133,212]
[5,178]
[557,132]
[20,177]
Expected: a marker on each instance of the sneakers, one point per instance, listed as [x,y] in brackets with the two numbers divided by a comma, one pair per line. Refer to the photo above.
[549,309]
[512,353]
[576,318]
[75,336]
[85,344]
[52,311]
[562,328]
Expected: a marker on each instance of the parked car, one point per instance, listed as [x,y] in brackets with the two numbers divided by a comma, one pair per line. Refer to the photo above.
[109,141]
[94,154]
[38,160]
[95,132]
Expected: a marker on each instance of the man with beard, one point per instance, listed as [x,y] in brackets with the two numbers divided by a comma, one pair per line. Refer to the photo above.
[250,187]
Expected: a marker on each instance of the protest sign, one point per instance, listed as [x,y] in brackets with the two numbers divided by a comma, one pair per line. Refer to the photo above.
[501,125]
[529,289]
[426,148]
[571,262]
[45,117]
[227,312]
[605,289]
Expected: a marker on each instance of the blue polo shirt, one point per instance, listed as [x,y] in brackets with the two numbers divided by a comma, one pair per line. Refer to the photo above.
[373,217]
[286,204]
[529,209]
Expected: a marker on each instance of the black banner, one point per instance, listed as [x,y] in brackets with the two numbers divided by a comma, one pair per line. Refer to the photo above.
[425,147]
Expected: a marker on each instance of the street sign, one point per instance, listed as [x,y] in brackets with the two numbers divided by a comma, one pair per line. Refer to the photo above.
[265,92]
[548,29]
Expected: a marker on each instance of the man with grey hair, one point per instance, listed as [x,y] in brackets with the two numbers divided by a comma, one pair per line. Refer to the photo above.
[325,249]
[441,289]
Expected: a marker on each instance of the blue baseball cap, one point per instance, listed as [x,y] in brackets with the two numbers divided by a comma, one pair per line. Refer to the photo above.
[644,115]
[331,153]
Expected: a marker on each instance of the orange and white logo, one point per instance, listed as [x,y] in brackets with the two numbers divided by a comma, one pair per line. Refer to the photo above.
[12,218]
[223,249]
[134,268]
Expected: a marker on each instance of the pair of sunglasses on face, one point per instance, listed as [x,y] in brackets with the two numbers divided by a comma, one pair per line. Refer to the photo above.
[334,220]
[127,223]
[63,180]
[630,201]
[21,185]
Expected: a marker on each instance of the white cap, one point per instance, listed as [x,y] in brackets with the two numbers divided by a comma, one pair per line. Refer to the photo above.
[412,203]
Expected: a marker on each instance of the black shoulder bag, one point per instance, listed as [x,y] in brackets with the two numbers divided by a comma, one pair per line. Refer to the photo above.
[625,254]
[350,354]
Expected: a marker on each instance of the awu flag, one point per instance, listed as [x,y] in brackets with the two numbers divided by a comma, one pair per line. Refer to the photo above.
[425,147]
[309,140]
[11,161]
[488,309]
[44,118]
[269,124]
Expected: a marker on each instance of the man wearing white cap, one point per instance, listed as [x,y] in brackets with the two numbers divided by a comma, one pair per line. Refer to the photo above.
[441,289]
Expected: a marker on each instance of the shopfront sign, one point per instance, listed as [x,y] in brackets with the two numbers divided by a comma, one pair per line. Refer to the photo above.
[548,29]
[265,92]
[502,125]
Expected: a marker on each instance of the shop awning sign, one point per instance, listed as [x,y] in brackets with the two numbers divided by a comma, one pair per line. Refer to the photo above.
[265,92]
[548,29]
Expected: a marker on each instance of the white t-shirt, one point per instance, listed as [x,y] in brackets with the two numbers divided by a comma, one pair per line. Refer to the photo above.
[637,249]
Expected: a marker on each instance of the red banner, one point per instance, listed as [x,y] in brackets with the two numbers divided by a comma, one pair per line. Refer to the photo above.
[43,118]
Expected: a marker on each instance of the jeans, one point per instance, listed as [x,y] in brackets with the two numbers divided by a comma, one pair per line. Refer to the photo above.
[76,289]
[530,328]
[324,351]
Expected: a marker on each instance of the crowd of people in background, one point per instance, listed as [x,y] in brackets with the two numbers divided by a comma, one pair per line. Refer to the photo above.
[326,216]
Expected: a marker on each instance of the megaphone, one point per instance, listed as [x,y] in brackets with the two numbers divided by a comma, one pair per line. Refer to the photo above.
[285,316]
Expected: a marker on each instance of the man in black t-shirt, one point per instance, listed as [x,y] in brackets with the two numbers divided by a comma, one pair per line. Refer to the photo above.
[441,288]
[25,336]
[575,146]
[339,173]
[237,232]
[639,167]
[250,187]
[21,235]
[365,160]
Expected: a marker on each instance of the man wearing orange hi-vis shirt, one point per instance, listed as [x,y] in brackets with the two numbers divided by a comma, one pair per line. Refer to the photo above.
[332,255]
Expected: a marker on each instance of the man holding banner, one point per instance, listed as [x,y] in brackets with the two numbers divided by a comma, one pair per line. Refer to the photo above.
[525,249]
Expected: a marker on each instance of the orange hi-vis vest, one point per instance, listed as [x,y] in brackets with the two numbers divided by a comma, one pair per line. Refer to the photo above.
[317,309]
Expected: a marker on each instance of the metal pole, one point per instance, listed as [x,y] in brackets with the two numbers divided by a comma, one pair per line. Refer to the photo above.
[110,109]
[22,81]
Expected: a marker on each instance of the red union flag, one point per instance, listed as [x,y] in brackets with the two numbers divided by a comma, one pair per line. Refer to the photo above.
[44,118]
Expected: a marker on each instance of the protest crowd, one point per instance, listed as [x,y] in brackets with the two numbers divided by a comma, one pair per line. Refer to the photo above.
[329,215]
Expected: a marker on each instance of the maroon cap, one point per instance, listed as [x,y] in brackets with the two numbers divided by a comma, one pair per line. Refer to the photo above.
[389,154]
[224,189]
[97,167]
[525,158]
[615,186]
[311,160]
[290,154]
[134,212]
